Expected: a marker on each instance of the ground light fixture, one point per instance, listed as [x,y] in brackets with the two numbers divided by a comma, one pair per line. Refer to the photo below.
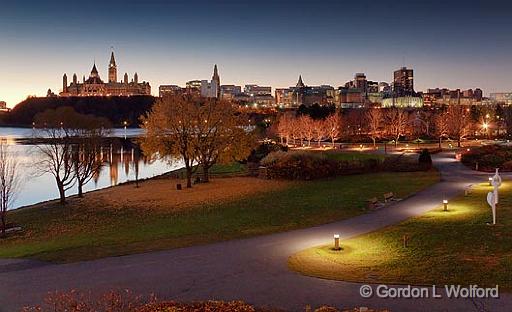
[337,242]
[490,181]
[445,204]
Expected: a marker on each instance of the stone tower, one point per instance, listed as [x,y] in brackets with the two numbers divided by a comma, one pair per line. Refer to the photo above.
[112,69]
[65,83]
[216,78]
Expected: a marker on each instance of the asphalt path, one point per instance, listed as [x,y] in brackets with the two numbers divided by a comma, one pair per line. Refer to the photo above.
[254,269]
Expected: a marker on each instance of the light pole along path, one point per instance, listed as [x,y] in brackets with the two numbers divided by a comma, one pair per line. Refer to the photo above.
[254,269]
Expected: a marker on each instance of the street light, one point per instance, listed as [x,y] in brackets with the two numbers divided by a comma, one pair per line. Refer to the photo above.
[337,242]
[125,124]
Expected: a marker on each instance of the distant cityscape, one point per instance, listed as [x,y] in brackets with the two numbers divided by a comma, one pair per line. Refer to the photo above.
[357,93]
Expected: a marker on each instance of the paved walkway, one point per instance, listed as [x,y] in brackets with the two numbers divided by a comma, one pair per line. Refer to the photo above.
[254,269]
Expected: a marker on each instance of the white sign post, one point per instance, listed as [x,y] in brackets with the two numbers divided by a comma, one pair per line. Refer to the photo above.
[492,202]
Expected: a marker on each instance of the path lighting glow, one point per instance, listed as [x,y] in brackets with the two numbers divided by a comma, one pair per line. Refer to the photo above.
[337,242]
[445,204]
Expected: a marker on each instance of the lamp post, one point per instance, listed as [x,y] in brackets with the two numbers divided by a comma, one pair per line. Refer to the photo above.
[490,181]
[337,242]
[125,123]
[445,204]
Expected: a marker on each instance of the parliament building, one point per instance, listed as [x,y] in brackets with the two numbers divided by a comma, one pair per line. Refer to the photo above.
[94,86]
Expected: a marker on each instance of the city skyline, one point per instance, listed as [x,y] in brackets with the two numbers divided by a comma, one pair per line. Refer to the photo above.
[266,44]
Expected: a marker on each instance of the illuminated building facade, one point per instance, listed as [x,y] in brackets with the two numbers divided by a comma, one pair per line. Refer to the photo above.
[95,86]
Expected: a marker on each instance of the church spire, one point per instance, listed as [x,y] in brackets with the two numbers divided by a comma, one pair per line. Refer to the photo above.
[300,84]
[94,71]
[112,69]
[216,78]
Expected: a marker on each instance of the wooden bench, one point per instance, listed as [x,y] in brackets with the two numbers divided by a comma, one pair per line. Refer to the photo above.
[389,197]
[373,202]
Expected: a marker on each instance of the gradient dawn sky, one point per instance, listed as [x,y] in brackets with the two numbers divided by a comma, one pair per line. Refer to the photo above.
[454,44]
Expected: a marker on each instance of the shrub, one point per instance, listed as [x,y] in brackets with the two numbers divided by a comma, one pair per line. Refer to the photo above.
[306,166]
[425,160]
[403,163]
[488,157]
[299,166]
[263,150]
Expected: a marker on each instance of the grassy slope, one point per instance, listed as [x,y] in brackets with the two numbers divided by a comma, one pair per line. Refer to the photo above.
[98,232]
[454,247]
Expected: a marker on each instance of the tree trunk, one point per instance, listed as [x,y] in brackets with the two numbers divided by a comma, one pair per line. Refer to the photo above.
[458,142]
[3,223]
[440,143]
[80,189]
[62,193]
[374,143]
[206,174]
[189,177]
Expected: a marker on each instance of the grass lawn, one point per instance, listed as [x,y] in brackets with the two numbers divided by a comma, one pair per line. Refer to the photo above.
[125,220]
[454,247]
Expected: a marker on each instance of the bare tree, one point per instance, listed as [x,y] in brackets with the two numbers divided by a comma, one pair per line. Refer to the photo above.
[89,132]
[374,120]
[9,181]
[319,130]
[396,123]
[56,154]
[308,127]
[459,122]
[333,126]
[441,121]
[283,127]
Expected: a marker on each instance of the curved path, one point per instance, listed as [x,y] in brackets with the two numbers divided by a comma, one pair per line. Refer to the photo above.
[254,269]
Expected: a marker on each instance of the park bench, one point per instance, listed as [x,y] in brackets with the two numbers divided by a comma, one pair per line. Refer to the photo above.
[389,197]
[373,202]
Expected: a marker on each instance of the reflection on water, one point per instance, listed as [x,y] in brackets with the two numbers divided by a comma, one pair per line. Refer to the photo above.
[122,159]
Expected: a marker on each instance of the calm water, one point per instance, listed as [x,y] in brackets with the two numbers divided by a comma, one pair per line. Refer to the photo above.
[120,166]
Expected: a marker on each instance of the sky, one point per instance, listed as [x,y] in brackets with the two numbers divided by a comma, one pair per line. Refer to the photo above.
[452,44]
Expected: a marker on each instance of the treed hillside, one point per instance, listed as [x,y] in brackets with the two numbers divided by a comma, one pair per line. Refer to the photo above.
[116,109]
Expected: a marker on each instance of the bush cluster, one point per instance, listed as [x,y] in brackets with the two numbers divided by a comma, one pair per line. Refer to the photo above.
[298,165]
[126,301]
[408,163]
[489,157]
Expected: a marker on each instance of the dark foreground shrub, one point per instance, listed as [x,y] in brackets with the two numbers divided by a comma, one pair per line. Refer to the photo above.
[299,166]
[488,157]
[263,150]
[425,160]
[126,301]
[404,163]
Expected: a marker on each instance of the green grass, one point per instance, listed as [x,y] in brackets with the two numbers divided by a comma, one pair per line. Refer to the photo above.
[81,234]
[454,247]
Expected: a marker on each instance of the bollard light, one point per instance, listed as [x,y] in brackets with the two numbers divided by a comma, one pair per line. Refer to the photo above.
[445,204]
[490,181]
[337,242]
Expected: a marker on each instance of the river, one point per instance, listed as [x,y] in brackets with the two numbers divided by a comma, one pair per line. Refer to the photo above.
[120,164]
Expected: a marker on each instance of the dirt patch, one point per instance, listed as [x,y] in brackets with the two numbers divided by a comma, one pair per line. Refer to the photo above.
[161,194]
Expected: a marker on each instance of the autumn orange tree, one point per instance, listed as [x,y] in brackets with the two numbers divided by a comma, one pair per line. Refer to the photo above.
[197,131]
[221,134]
